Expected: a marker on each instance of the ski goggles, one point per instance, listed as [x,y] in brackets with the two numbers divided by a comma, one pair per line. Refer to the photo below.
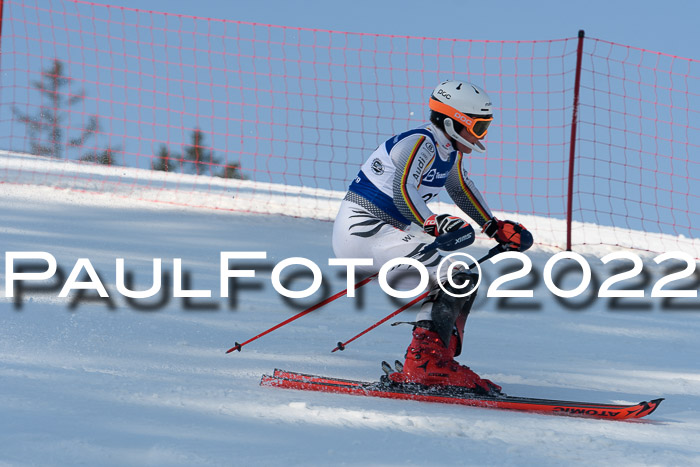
[477,126]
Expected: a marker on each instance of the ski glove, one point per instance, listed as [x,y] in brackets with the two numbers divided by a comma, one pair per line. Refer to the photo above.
[512,236]
[438,224]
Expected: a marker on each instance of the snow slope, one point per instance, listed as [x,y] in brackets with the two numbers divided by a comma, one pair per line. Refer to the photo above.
[83,383]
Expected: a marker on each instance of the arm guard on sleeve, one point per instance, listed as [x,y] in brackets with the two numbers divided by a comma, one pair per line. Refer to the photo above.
[465,194]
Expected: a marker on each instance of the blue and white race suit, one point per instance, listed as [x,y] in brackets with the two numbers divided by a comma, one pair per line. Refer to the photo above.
[384,210]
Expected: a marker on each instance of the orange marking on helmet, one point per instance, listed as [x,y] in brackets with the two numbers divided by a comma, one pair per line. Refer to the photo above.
[468,122]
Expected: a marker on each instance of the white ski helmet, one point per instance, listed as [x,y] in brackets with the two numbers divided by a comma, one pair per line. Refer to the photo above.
[455,105]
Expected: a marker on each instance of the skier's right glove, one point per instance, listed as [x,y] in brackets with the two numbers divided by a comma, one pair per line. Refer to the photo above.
[512,236]
[438,224]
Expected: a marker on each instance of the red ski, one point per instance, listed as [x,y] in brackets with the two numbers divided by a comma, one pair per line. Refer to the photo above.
[454,395]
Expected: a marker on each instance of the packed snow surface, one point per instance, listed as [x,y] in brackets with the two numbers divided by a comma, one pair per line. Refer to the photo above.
[96,381]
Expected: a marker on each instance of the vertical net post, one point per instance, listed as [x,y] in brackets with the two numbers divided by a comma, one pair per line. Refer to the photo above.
[572,142]
[2,6]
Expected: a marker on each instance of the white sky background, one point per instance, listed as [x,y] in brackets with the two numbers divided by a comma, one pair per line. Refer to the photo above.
[667,26]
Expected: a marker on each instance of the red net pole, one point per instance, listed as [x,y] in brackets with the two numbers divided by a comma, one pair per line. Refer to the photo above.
[572,148]
[2,6]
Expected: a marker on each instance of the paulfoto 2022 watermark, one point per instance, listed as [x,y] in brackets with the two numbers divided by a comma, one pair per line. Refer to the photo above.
[28,270]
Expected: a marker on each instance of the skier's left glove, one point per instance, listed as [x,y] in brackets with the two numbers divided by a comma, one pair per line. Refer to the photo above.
[512,236]
[438,224]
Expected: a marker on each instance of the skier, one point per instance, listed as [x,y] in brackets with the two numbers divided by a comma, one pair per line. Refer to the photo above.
[384,215]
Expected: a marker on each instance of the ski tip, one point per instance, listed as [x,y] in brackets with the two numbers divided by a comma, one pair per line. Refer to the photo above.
[655,403]
[646,408]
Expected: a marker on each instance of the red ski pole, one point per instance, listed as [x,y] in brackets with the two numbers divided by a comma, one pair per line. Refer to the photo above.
[317,306]
[341,345]
[300,314]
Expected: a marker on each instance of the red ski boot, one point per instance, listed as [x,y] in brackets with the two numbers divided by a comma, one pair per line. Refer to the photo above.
[430,363]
